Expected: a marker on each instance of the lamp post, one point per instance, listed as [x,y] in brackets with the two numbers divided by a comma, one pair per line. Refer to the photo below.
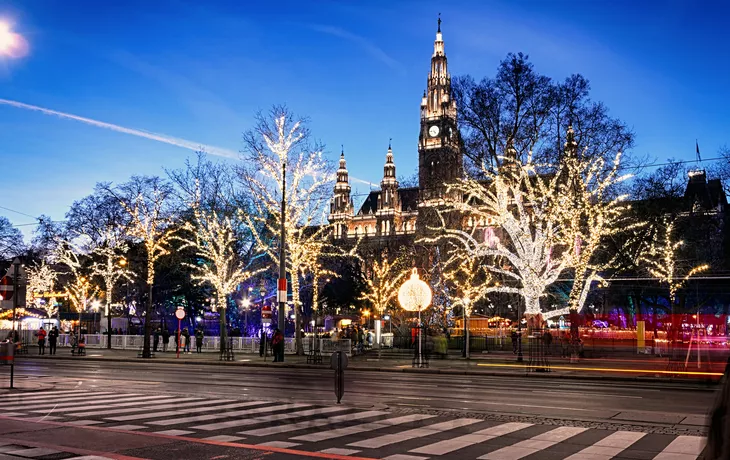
[466,327]
[519,334]
[415,295]
[246,304]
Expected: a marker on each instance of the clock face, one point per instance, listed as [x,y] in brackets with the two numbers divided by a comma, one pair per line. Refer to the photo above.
[433,131]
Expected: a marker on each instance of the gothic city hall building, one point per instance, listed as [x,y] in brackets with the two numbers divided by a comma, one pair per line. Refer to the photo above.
[395,214]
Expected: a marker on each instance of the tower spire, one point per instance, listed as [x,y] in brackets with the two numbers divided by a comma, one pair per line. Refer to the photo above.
[439,30]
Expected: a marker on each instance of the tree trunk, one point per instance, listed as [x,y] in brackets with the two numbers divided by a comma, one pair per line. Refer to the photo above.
[146,353]
[532,305]
[222,308]
[297,328]
[109,316]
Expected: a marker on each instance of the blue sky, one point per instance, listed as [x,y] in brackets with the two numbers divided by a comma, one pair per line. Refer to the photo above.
[200,70]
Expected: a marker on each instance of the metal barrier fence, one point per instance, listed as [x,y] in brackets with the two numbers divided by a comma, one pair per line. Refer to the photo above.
[210,344]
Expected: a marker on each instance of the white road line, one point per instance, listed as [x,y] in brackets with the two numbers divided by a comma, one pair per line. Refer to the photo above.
[224,438]
[608,447]
[683,448]
[403,457]
[127,427]
[173,432]
[44,394]
[122,402]
[272,418]
[338,451]
[312,423]
[279,444]
[159,404]
[362,428]
[175,413]
[449,445]
[230,414]
[84,422]
[65,403]
[56,398]
[387,439]
[533,445]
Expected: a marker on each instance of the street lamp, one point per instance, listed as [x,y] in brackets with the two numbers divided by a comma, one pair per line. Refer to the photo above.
[465,301]
[246,304]
[415,295]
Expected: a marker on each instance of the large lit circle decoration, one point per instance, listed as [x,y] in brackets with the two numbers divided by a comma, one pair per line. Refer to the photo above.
[414,294]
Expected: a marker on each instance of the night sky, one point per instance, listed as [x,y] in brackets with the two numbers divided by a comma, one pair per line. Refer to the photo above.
[198,71]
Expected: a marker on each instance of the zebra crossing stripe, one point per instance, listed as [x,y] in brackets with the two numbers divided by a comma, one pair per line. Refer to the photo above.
[174,413]
[362,428]
[608,447]
[683,448]
[68,403]
[272,418]
[312,423]
[45,395]
[533,445]
[122,401]
[429,430]
[115,409]
[449,445]
[237,413]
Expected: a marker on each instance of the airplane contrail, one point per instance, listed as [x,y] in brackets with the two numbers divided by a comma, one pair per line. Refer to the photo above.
[177,142]
[183,143]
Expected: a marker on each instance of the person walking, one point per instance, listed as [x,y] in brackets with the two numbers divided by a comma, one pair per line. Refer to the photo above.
[156,337]
[277,344]
[41,334]
[262,342]
[186,340]
[199,340]
[52,340]
[165,339]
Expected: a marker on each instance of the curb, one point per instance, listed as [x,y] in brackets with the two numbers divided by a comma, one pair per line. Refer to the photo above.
[700,385]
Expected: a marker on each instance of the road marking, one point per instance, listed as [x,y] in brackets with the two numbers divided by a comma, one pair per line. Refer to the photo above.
[224,438]
[449,445]
[128,427]
[338,451]
[429,430]
[44,394]
[74,403]
[533,445]
[84,422]
[403,457]
[33,452]
[238,413]
[279,444]
[362,428]
[608,447]
[123,401]
[175,413]
[112,410]
[577,393]
[683,448]
[173,432]
[311,423]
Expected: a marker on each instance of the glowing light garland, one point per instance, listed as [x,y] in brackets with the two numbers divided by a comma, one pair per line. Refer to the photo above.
[41,279]
[307,194]
[661,260]
[383,283]
[80,291]
[110,268]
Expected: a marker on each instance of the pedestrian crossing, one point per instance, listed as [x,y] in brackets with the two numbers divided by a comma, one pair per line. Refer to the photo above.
[343,430]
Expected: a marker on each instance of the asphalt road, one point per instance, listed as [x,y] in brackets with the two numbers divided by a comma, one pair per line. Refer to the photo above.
[544,397]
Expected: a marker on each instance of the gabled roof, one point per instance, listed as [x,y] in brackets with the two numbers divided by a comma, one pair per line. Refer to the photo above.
[408,200]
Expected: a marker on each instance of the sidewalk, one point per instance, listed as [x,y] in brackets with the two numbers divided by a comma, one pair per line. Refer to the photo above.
[494,364]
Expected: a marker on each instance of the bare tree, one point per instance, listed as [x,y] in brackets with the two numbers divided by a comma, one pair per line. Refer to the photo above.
[11,240]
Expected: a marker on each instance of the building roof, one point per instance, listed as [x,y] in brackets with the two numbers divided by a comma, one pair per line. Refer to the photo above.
[408,198]
[706,194]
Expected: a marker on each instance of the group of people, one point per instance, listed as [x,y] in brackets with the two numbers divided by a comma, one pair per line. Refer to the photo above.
[184,343]
[52,336]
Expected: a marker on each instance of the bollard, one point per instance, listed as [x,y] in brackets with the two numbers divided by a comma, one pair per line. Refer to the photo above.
[338,362]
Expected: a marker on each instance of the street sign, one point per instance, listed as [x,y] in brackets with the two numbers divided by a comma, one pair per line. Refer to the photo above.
[265,312]
[180,313]
[6,287]
[265,320]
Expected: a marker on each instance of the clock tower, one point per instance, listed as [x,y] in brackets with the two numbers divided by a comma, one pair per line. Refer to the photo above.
[439,153]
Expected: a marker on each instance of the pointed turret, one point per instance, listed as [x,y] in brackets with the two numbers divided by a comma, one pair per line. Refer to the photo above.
[341,202]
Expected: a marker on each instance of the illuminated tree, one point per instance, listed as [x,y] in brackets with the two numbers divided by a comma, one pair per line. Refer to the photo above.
[40,280]
[220,266]
[525,208]
[276,143]
[146,201]
[111,267]
[591,215]
[661,259]
[80,291]
[382,283]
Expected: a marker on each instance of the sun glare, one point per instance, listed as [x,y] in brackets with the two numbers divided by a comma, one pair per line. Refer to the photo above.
[11,44]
